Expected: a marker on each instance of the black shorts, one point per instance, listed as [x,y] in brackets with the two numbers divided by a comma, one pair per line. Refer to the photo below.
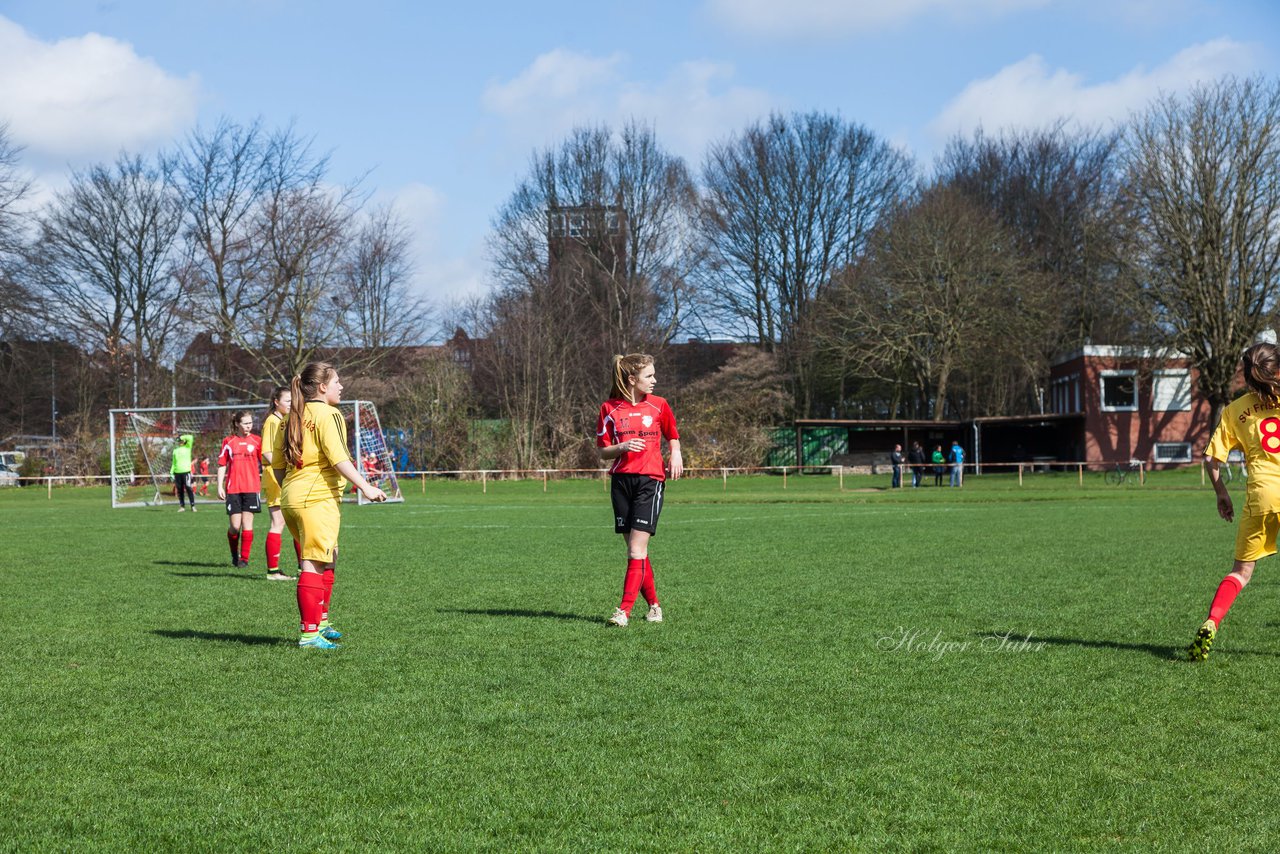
[243,502]
[637,503]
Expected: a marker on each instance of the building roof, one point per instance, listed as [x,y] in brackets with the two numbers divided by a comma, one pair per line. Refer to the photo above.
[1118,351]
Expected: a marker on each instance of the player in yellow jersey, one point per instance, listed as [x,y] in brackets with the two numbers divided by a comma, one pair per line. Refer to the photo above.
[1250,423]
[271,425]
[311,460]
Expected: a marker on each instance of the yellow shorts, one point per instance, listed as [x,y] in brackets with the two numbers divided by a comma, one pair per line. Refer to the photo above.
[1256,536]
[315,527]
[270,489]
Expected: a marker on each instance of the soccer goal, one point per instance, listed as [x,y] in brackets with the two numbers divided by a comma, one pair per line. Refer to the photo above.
[142,442]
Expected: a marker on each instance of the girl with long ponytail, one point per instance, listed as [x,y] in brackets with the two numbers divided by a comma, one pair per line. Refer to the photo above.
[1250,423]
[630,429]
[311,460]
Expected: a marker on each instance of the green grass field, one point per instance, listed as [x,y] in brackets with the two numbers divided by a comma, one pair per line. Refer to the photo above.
[994,668]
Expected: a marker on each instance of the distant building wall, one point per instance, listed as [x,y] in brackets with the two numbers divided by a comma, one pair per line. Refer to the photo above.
[1135,405]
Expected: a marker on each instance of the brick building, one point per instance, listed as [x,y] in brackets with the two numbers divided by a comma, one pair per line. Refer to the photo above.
[1128,403]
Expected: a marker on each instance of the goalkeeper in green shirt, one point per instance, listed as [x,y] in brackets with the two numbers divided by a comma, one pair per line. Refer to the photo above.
[181,471]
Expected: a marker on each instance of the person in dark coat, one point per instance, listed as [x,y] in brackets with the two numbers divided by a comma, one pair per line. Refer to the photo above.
[917,460]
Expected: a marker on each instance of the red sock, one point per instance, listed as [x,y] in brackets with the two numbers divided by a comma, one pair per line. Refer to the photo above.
[647,588]
[631,583]
[1227,592]
[246,545]
[310,600]
[328,593]
[297,549]
[273,551]
[233,540]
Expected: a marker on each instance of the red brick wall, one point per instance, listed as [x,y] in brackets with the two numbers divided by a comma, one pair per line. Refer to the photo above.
[1116,436]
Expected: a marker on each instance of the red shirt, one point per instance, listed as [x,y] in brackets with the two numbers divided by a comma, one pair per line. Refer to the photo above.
[242,456]
[651,419]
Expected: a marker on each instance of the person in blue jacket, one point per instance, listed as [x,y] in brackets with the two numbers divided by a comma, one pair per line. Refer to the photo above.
[956,458]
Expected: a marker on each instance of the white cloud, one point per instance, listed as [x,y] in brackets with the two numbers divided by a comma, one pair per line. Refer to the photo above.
[442,273]
[696,103]
[1029,94]
[828,18]
[87,97]
[559,75]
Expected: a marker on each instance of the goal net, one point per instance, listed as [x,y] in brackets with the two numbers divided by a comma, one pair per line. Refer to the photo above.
[142,443]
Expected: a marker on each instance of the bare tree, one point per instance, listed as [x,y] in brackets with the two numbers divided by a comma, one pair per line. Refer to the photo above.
[591,256]
[104,264]
[608,216]
[726,416]
[789,203]
[378,311]
[434,396]
[1204,188]
[16,301]
[942,294]
[302,224]
[281,267]
[1057,192]
[531,370]
[223,177]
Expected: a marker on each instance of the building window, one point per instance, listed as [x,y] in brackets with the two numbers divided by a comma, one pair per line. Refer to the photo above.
[1171,391]
[1173,452]
[1065,394]
[1119,391]
[203,365]
[557,223]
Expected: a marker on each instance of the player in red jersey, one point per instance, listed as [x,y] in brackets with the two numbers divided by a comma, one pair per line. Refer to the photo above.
[242,455]
[372,470]
[204,474]
[630,429]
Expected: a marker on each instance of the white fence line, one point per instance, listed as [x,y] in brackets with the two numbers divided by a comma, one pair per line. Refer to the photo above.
[1136,467]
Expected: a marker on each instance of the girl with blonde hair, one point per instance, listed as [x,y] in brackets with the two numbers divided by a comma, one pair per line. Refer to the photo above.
[629,431]
[311,460]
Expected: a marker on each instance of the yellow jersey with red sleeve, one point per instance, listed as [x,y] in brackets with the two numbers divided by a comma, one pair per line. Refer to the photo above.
[1252,425]
[272,426]
[313,477]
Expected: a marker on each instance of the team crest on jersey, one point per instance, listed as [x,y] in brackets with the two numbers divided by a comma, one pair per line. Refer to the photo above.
[647,420]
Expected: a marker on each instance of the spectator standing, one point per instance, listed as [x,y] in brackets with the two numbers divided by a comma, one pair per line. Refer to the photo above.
[916,458]
[957,464]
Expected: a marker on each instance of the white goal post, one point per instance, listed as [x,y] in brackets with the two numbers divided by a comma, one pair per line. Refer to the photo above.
[142,442]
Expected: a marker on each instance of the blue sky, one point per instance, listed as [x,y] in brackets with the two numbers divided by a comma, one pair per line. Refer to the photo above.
[444,103]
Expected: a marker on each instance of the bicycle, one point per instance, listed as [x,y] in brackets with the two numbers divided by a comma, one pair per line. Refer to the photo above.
[1120,474]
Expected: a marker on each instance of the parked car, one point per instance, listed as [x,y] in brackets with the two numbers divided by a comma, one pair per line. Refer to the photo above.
[10,462]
